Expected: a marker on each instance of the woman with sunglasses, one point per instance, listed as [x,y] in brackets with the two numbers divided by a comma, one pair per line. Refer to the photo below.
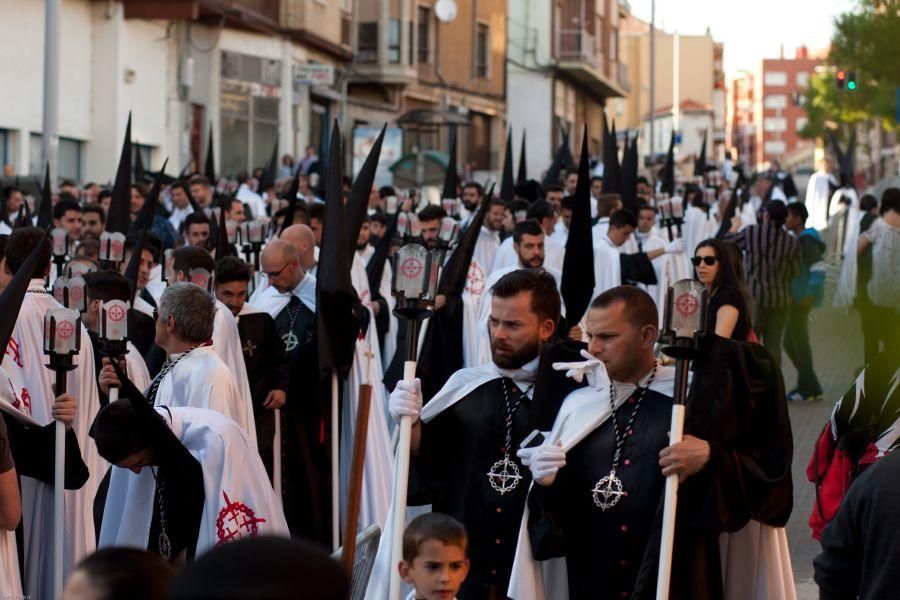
[717,265]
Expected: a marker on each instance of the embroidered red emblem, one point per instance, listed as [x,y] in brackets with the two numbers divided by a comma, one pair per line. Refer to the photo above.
[687,304]
[26,400]
[411,267]
[116,313]
[475,279]
[12,351]
[65,329]
[236,520]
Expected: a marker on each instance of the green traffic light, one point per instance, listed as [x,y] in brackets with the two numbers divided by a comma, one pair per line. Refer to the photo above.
[851,85]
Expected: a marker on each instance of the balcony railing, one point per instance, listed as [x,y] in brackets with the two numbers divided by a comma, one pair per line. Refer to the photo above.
[575,45]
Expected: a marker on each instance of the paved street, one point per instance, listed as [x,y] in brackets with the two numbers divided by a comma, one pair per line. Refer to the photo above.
[837,353]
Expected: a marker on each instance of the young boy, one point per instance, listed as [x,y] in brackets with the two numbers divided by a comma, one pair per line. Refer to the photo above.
[434,557]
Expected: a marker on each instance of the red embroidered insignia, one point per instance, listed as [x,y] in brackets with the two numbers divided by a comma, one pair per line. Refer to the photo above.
[236,520]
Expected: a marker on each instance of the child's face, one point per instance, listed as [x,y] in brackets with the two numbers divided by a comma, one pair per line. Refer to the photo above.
[437,572]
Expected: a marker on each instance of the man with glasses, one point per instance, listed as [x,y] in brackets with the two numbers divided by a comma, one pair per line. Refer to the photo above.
[291,300]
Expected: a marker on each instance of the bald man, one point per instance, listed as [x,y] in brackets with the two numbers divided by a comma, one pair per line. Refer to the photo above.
[303,239]
[290,299]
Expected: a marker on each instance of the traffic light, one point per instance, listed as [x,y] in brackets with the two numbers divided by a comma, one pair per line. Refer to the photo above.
[851,80]
[840,79]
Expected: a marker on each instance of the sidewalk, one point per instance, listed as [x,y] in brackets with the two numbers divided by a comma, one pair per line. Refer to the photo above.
[836,340]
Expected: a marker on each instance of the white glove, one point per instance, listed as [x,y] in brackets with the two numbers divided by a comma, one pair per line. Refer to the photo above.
[406,400]
[544,462]
[591,369]
[675,247]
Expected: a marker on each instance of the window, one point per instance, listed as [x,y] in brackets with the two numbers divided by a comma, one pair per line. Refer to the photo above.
[774,147]
[68,162]
[367,43]
[801,123]
[423,37]
[775,101]
[775,124]
[244,67]
[479,141]
[145,152]
[802,79]
[775,78]
[482,50]
[394,41]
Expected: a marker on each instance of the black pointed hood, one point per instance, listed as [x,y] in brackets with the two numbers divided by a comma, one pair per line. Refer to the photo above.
[629,175]
[667,178]
[118,219]
[292,202]
[451,180]
[612,172]
[577,283]
[134,263]
[507,185]
[522,175]
[337,328]
[375,266]
[139,174]
[700,163]
[562,161]
[270,173]
[144,219]
[45,210]
[12,296]
[221,236]
[209,169]
[358,204]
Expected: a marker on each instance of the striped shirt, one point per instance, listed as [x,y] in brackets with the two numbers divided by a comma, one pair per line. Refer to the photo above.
[771,260]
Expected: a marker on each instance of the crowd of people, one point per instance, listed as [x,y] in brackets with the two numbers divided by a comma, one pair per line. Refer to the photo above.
[206,457]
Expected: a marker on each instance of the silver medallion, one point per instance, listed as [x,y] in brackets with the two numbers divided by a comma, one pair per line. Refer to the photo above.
[165,546]
[290,341]
[504,475]
[608,491]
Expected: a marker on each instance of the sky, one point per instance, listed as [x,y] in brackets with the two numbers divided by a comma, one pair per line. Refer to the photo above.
[750,29]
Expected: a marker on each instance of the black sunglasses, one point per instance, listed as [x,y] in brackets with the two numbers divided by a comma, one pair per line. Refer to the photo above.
[708,260]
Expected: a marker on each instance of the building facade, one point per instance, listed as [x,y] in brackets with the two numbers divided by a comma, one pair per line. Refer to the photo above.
[741,130]
[778,107]
[564,64]
[697,104]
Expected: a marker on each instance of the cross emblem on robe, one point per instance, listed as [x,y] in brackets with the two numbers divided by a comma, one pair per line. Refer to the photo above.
[249,348]
[608,491]
[504,475]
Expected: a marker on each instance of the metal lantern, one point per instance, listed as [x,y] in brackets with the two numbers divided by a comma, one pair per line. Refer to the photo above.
[76,295]
[390,204]
[202,278]
[254,231]
[79,267]
[169,265]
[415,226]
[112,247]
[685,314]
[60,241]
[677,207]
[62,333]
[415,280]
[231,229]
[59,289]
[451,206]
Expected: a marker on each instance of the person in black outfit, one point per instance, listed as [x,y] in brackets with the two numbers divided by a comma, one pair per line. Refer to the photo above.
[717,265]
[268,369]
[466,441]
[868,205]
[860,546]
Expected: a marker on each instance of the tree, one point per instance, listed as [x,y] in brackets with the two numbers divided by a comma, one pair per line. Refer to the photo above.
[863,42]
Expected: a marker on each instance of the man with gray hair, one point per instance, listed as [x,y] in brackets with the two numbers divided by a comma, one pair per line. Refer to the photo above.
[193,375]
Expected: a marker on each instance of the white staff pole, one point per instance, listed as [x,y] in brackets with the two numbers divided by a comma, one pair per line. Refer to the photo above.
[401,480]
[684,320]
[59,512]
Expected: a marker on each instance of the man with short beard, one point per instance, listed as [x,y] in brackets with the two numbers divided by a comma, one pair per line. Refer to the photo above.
[464,442]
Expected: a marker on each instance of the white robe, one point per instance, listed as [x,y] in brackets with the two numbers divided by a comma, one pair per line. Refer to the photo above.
[232,473]
[845,290]
[202,380]
[10,581]
[560,233]
[142,305]
[697,226]
[136,368]
[273,302]
[390,337]
[599,230]
[607,267]
[366,368]
[252,199]
[817,197]
[178,216]
[227,343]
[669,268]
[506,255]
[26,344]
[482,258]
